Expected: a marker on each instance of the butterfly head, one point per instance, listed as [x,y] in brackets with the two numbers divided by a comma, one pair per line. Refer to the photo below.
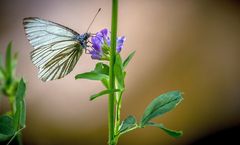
[83,39]
[85,36]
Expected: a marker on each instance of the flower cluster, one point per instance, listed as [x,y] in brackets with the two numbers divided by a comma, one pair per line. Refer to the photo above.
[101,45]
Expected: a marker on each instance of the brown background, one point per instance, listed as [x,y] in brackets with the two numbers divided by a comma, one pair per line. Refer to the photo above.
[190,45]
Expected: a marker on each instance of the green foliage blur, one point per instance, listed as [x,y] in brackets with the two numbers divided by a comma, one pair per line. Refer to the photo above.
[13,121]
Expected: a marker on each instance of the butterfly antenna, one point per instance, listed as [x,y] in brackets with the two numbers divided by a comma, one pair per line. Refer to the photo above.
[93,19]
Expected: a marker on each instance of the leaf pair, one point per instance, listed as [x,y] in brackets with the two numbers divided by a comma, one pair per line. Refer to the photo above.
[101,73]
[101,70]
[119,73]
[159,106]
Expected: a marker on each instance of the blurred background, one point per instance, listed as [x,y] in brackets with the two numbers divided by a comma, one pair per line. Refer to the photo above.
[189,45]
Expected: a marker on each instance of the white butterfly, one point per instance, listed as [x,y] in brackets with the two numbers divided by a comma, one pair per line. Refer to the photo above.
[57,48]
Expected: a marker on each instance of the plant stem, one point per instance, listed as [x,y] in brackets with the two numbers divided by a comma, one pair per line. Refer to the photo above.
[111,99]
[19,139]
[12,102]
[118,115]
[118,111]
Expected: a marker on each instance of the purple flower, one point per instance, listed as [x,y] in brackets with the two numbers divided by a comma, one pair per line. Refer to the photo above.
[101,45]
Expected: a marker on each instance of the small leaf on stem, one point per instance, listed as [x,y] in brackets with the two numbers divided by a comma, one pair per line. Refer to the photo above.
[118,70]
[128,59]
[102,68]
[91,76]
[128,124]
[104,92]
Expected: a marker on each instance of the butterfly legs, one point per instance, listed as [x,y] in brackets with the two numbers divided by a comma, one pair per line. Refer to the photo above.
[87,51]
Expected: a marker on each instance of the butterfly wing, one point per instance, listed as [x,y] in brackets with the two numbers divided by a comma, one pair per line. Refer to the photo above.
[56,51]
[61,64]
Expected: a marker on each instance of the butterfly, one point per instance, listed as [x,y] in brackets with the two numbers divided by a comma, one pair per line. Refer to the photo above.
[57,48]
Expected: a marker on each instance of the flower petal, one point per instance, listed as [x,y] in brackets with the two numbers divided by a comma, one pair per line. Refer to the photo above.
[97,43]
[120,41]
[95,54]
[104,32]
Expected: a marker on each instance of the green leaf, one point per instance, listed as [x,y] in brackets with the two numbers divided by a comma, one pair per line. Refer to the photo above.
[161,105]
[14,62]
[102,68]
[118,70]
[1,76]
[6,127]
[91,76]
[2,73]
[105,82]
[173,133]
[9,60]
[104,92]
[20,114]
[127,125]
[128,59]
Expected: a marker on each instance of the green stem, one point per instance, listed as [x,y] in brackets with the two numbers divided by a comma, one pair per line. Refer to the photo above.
[118,115]
[118,111]
[19,139]
[12,103]
[111,99]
